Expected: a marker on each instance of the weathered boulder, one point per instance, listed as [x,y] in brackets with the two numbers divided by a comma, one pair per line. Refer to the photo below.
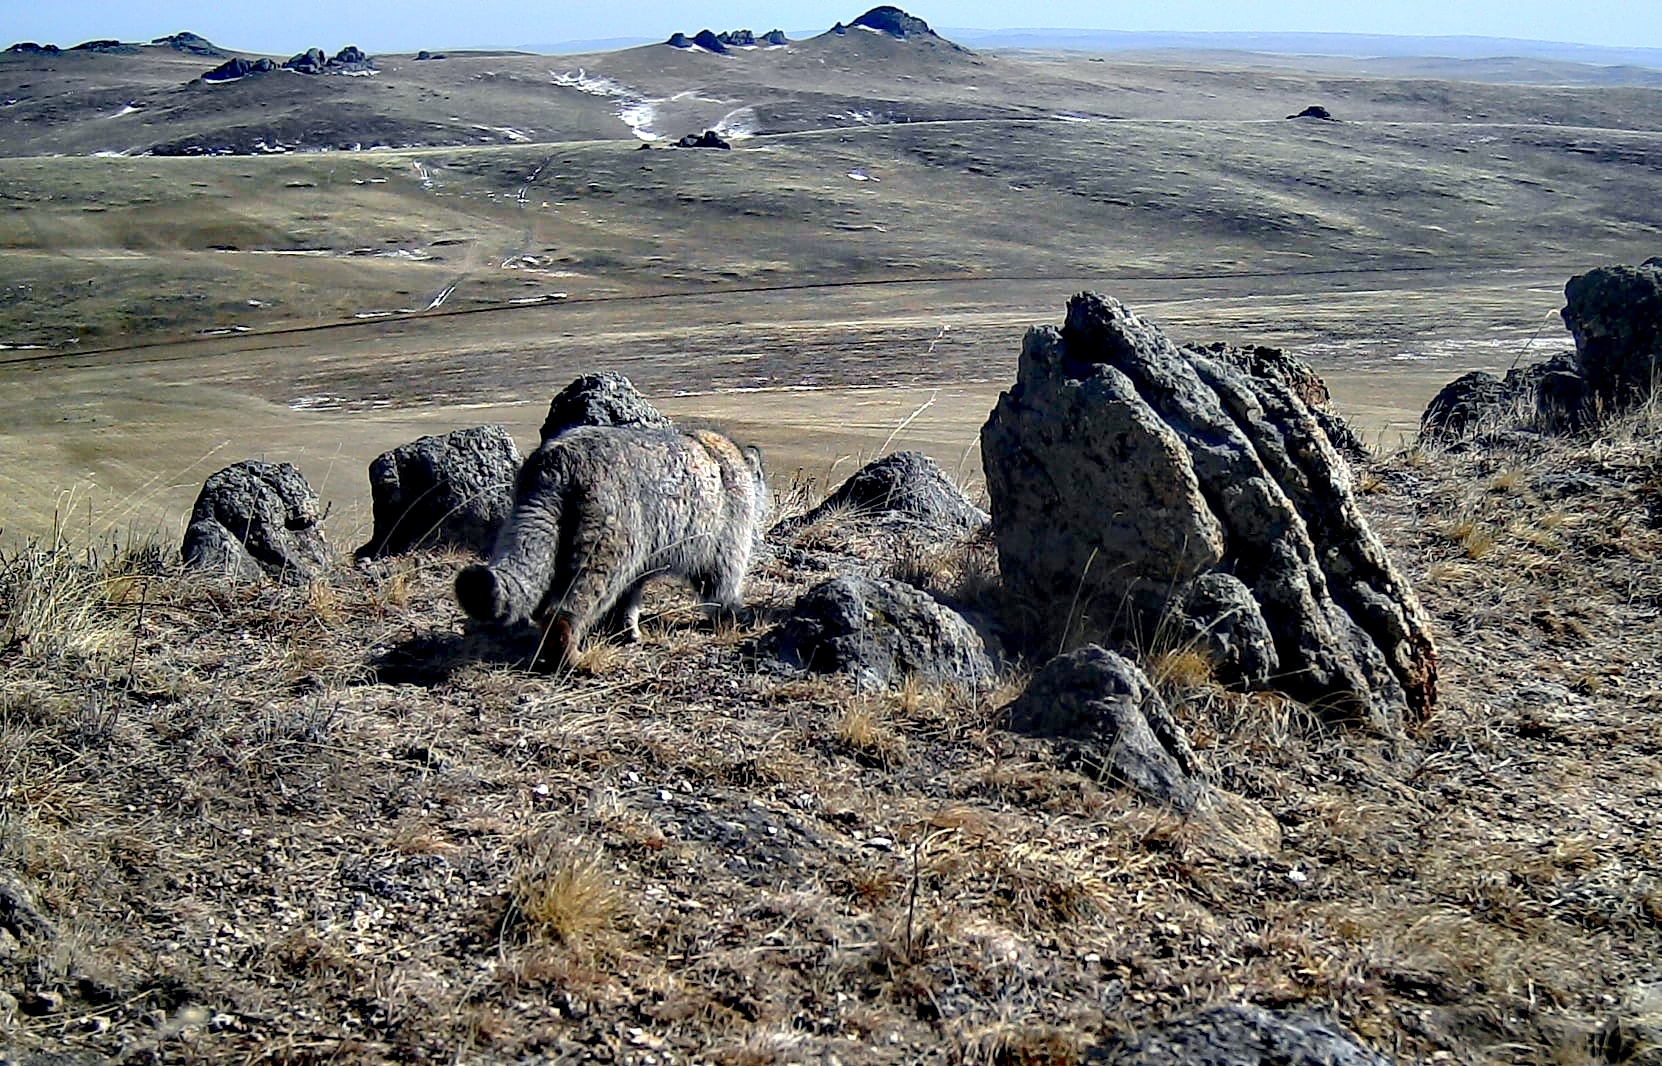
[1550,396]
[1615,315]
[1240,1034]
[707,139]
[605,399]
[908,483]
[1121,469]
[1219,619]
[879,631]
[707,40]
[1316,111]
[452,490]
[775,39]
[737,38]
[255,519]
[1104,707]
[1274,364]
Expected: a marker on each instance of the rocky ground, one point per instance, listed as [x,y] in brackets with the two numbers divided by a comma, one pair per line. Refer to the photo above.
[327,822]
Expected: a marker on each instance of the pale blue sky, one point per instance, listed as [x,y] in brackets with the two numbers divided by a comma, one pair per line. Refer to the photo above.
[282,26]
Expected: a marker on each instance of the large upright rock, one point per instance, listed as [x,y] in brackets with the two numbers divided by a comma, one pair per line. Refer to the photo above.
[1615,315]
[255,519]
[1122,469]
[606,399]
[453,490]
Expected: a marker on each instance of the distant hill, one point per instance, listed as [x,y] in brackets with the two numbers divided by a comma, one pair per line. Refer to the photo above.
[1358,45]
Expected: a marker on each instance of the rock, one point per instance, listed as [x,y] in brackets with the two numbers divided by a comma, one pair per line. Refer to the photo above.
[880,631]
[1273,364]
[1120,727]
[1466,404]
[775,39]
[424,55]
[605,399]
[232,69]
[1550,396]
[894,22]
[737,39]
[256,519]
[311,61]
[1219,618]
[908,483]
[194,44]
[351,55]
[679,40]
[1314,111]
[1240,1035]
[709,41]
[18,914]
[1615,315]
[1121,469]
[107,47]
[707,139]
[451,490]
[30,48]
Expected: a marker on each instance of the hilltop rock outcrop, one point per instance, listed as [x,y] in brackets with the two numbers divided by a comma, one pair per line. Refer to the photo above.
[232,69]
[30,48]
[255,519]
[108,47]
[451,490]
[1123,469]
[606,399]
[348,60]
[880,631]
[193,43]
[893,21]
[1316,111]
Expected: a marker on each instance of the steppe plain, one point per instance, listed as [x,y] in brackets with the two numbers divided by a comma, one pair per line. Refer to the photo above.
[287,825]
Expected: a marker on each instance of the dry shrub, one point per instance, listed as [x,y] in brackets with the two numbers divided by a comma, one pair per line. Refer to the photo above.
[564,894]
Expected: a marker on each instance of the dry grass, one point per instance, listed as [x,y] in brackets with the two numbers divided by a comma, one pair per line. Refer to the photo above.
[356,832]
[566,895]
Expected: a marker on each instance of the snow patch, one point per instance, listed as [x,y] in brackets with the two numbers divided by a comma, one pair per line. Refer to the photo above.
[633,109]
[128,110]
[860,175]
